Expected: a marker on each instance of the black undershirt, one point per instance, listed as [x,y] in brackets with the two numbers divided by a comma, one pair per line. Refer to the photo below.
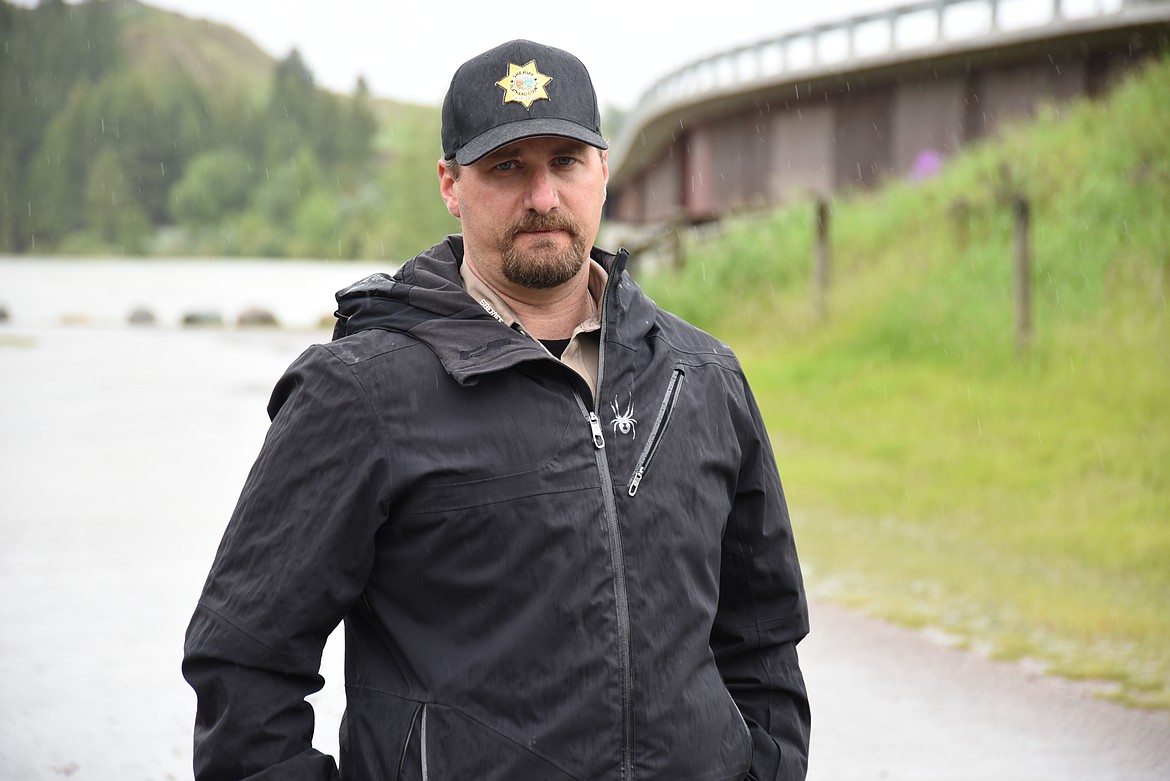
[555,346]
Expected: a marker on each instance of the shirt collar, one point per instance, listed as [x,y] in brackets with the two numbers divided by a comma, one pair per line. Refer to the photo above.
[495,306]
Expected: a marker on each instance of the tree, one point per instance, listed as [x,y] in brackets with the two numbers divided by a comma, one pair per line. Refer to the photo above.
[215,187]
[112,213]
[147,134]
[60,167]
[291,110]
[12,224]
[46,53]
[287,185]
[356,133]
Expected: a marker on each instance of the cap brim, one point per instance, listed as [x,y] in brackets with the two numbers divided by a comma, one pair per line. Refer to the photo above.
[501,135]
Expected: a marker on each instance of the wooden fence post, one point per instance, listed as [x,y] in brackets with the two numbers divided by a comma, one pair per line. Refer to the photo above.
[1023,269]
[678,249]
[821,262]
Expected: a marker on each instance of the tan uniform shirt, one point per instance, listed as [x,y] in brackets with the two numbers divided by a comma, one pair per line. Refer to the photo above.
[581,354]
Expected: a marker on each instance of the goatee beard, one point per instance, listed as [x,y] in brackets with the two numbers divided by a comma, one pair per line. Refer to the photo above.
[542,266]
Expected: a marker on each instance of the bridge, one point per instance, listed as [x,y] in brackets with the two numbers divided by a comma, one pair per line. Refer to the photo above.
[846,105]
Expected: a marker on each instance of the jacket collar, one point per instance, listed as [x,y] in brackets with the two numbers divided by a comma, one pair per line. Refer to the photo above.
[425,298]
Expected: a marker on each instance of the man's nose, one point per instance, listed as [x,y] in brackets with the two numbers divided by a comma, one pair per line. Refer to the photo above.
[542,192]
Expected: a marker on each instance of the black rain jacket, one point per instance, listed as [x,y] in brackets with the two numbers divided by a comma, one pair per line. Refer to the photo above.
[533,586]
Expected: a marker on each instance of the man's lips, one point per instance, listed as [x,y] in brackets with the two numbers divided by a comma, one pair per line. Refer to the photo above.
[541,233]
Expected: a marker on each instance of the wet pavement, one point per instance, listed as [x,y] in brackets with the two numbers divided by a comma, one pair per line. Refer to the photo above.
[121,454]
[889,703]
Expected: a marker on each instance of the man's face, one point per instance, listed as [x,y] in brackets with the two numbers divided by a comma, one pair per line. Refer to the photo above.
[530,211]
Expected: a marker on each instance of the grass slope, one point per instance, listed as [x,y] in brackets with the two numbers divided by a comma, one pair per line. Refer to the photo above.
[216,57]
[1017,499]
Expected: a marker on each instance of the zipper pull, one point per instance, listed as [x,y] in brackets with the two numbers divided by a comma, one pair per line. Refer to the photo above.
[637,480]
[595,424]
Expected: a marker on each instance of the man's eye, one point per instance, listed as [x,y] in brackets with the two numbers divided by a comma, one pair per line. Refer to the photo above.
[507,165]
[565,160]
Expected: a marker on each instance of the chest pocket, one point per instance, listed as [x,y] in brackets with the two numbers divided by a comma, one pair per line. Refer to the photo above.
[657,430]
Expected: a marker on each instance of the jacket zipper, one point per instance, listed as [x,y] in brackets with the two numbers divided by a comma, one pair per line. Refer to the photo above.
[660,424]
[422,741]
[618,563]
[616,552]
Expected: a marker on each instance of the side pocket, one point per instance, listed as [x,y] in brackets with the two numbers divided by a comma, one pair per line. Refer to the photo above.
[750,740]
[413,752]
[422,743]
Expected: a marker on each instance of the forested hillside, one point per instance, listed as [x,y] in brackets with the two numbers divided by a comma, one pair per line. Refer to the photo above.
[128,130]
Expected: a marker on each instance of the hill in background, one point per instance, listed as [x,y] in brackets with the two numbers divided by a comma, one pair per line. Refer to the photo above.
[131,130]
[161,46]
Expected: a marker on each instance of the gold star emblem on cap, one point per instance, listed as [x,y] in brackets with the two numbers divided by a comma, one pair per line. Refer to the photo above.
[524,84]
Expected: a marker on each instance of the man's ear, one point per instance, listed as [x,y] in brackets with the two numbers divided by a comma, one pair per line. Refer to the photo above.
[447,190]
[604,174]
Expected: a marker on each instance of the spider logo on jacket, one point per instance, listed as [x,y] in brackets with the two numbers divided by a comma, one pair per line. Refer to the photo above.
[624,422]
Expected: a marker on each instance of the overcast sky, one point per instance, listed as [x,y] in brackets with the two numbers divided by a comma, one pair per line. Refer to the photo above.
[408,51]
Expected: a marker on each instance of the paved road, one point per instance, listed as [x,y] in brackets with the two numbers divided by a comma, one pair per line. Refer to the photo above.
[121,453]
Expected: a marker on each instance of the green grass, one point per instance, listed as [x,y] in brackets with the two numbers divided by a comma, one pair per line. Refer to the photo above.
[1018,498]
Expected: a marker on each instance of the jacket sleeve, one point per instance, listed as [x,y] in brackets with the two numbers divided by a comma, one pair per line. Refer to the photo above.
[763,612]
[295,555]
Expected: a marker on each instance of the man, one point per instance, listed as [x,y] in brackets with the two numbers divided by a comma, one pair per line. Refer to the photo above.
[546,510]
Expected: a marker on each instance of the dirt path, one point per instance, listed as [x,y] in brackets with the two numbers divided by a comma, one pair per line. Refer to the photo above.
[121,453]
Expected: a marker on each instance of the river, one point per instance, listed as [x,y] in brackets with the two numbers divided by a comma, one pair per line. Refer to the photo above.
[122,450]
[39,292]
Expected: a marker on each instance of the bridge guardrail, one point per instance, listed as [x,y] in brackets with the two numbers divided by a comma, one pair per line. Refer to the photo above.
[852,41]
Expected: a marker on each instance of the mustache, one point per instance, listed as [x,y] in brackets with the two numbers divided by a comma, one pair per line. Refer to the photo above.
[543,222]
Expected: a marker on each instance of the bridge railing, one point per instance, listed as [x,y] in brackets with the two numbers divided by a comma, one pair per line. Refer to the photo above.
[880,34]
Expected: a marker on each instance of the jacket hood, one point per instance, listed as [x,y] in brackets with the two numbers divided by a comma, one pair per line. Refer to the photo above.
[425,299]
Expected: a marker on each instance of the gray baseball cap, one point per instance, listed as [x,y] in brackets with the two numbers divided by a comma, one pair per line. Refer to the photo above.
[517,90]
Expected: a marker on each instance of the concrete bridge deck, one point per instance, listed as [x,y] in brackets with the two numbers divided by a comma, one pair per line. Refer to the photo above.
[849,104]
